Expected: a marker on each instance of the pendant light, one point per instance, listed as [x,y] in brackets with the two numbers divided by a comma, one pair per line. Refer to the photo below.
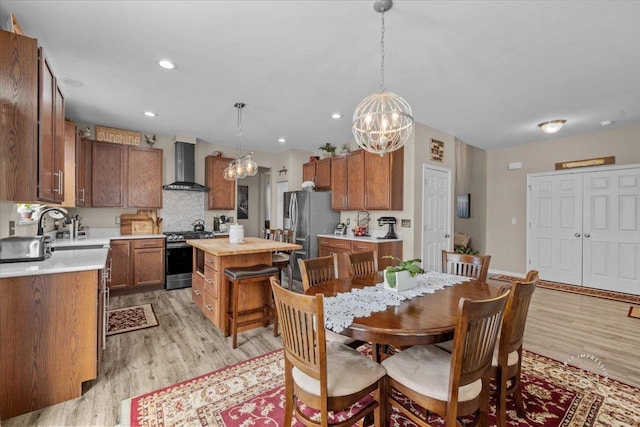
[383,121]
[241,166]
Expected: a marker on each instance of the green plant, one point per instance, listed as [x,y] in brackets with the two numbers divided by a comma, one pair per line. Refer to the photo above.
[328,148]
[464,250]
[409,265]
[25,207]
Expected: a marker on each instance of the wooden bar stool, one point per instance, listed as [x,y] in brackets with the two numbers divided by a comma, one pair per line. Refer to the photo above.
[238,276]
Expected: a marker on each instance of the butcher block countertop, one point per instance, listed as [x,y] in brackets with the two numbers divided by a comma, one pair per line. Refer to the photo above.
[251,245]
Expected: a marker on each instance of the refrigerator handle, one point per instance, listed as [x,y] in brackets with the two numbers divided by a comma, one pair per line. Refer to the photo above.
[294,212]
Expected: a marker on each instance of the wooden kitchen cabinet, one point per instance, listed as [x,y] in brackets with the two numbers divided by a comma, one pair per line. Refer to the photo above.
[362,180]
[222,195]
[329,246]
[125,176]
[319,172]
[137,262]
[144,177]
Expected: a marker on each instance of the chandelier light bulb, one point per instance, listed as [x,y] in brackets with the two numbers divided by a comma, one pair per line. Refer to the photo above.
[250,167]
[228,174]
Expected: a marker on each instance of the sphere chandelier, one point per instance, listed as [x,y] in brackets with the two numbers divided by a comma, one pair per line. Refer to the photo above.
[241,166]
[383,121]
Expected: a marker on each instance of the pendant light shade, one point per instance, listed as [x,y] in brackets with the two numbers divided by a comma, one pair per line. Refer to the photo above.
[383,121]
[242,166]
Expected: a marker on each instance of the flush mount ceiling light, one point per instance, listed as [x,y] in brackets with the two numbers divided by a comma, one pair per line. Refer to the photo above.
[167,65]
[242,166]
[282,140]
[383,121]
[551,126]
[150,114]
[336,116]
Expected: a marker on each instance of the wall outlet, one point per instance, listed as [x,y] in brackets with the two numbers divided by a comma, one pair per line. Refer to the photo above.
[12,228]
[348,221]
[406,223]
[118,219]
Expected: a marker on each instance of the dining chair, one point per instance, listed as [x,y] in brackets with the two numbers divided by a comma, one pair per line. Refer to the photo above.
[507,359]
[281,259]
[362,263]
[476,266]
[316,271]
[455,384]
[325,376]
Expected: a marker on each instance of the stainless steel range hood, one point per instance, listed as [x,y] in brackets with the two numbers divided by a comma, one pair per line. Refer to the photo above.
[185,169]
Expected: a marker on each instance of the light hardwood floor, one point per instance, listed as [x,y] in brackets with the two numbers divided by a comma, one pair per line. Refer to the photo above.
[186,345]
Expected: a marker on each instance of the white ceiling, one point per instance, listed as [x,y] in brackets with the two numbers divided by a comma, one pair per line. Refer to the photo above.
[484,71]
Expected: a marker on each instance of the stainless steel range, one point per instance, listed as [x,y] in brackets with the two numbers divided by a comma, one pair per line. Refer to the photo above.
[179,257]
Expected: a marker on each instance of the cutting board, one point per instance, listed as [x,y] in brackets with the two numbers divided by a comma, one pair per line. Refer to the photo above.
[126,222]
[144,226]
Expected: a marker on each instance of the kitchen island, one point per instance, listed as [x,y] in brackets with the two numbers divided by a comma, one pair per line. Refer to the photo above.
[210,290]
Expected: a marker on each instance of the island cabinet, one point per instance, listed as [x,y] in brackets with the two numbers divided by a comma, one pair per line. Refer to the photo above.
[32,153]
[222,194]
[137,262]
[319,172]
[125,176]
[363,180]
[343,246]
[49,337]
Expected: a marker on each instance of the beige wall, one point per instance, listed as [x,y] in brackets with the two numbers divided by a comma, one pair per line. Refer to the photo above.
[506,189]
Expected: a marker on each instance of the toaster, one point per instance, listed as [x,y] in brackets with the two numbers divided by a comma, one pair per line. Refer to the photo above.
[25,248]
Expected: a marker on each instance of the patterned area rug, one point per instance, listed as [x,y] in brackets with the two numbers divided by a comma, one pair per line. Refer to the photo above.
[634,312]
[251,393]
[129,319]
[582,290]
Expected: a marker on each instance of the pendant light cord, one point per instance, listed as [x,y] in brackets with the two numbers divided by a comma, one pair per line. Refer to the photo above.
[382,87]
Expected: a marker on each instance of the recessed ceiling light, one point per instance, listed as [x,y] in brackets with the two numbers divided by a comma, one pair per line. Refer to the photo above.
[336,116]
[72,82]
[282,140]
[551,126]
[150,114]
[167,65]
[606,122]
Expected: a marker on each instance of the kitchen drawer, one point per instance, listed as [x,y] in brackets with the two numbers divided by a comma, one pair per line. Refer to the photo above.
[210,281]
[197,289]
[212,261]
[148,243]
[335,243]
[358,246]
[209,307]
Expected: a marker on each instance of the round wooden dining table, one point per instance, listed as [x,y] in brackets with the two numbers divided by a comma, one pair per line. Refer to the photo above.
[426,319]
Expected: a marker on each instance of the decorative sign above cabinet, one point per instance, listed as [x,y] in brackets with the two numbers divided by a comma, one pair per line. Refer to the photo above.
[118,136]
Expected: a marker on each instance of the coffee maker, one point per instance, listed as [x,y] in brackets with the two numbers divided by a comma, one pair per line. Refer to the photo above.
[390,221]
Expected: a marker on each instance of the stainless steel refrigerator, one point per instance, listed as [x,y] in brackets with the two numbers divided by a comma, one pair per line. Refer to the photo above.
[308,213]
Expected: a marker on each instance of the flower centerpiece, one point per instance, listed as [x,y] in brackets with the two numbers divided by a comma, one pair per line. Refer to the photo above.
[402,276]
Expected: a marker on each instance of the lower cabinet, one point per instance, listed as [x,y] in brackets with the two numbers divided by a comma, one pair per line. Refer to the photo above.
[49,339]
[137,262]
[329,246]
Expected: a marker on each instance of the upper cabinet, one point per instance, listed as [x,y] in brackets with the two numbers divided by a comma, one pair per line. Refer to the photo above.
[125,176]
[319,172]
[222,193]
[32,117]
[362,180]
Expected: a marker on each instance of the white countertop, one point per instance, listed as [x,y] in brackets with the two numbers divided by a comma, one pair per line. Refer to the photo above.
[371,239]
[66,261]
[100,237]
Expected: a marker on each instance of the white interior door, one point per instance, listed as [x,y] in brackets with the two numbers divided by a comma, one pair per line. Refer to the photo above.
[282,187]
[555,227]
[436,216]
[611,244]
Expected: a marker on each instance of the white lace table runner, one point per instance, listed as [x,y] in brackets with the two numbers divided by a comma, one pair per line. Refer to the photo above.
[339,311]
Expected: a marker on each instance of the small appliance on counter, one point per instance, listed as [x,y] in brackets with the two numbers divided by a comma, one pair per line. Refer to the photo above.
[390,221]
[341,229]
[224,223]
[198,226]
[25,248]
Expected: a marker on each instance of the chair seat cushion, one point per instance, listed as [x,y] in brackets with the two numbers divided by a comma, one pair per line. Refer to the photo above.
[512,359]
[425,369]
[280,257]
[347,372]
[250,271]
[335,337]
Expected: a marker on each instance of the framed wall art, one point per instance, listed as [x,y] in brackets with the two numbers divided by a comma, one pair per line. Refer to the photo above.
[463,205]
[437,150]
[243,202]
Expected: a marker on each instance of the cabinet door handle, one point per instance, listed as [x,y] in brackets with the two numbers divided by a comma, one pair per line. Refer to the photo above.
[59,189]
[61,180]
[82,192]
[208,281]
[208,307]
[196,292]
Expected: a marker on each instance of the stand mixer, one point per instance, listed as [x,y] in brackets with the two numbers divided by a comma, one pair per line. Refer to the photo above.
[390,221]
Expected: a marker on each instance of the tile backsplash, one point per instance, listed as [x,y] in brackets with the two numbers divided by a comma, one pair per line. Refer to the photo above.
[180,209]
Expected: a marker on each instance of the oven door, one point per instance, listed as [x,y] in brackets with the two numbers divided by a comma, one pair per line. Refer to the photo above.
[179,265]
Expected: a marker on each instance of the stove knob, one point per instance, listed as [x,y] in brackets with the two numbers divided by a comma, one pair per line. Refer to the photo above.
[180,237]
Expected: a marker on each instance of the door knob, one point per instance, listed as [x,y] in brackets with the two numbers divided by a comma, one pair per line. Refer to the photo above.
[577,234]
[587,235]
[446,236]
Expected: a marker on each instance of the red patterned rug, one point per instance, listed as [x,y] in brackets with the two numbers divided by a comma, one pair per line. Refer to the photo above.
[129,319]
[251,394]
[582,290]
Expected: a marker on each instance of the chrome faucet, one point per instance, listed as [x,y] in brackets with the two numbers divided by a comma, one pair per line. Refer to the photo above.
[67,218]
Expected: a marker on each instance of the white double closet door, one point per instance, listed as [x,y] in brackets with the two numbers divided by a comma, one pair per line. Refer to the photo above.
[584,227]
